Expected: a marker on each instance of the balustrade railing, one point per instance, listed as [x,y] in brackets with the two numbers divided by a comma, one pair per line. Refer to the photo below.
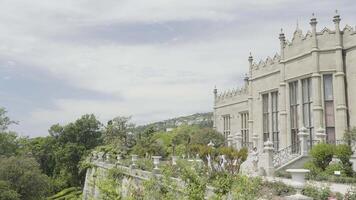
[285,155]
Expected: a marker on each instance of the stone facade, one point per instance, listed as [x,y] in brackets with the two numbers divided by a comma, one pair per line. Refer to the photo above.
[311,84]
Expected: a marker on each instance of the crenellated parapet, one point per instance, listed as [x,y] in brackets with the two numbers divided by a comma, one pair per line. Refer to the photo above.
[237,94]
[267,63]
[323,40]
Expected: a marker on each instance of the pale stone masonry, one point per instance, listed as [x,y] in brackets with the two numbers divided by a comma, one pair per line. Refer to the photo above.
[311,84]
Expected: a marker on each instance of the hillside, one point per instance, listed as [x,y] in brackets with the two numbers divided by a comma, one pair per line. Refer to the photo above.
[200,119]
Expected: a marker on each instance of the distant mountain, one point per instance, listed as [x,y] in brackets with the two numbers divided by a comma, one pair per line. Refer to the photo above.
[199,119]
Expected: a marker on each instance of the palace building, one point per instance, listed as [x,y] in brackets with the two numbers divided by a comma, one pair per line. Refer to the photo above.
[311,84]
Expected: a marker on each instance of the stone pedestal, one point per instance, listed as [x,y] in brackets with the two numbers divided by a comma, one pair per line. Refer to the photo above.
[298,181]
[303,137]
[133,161]
[266,160]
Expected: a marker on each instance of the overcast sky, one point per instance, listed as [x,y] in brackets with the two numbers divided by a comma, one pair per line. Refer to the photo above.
[152,59]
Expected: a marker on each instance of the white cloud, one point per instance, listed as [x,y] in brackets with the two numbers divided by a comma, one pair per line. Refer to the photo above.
[156,80]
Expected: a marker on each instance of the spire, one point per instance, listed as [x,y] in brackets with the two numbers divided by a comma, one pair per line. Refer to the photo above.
[282,37]
[313,21]
[250,60]
[215,91]
[337,18]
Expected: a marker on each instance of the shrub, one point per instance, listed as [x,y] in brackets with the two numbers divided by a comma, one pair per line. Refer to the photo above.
[322,155]
[332,168]
[316,193]
[279,188]
[344,153]
[246,188]
[314,170]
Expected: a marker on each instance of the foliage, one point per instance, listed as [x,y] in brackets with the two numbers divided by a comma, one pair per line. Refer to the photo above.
[246,188]
[6,193]
[147,145]
[351,194]
[222,182]
[24,176]
[344,153]
[9,144]
[350,135]
[67,194]
[322,155]
[279,188]
[119,129]
[5,121]
[317,193]
[196,182]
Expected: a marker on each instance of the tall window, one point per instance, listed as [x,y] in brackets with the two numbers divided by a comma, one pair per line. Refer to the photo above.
[244,128]
[226,119]
[293,99]
[307,105]
[329,108]
[275,133]
[265,117]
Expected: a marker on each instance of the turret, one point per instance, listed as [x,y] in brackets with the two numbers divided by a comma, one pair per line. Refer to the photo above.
[336,21]
[282,39]
[215,91]
[250,60]
[313,24]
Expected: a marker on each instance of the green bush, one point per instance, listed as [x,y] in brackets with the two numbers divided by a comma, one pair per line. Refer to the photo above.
[344,153]
[322,154]
[316,193]
[279,188]
[314,170]
[332,168]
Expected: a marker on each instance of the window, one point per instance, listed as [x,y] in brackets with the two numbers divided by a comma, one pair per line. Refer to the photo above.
[244,129]
[275,133]
[226,119]
[293,100]
[329,108]
[307,105]
[265,117]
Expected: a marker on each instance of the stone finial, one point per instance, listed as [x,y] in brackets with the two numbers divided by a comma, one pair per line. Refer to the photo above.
[282,37]
[250,59]
[337,18]
[313,21]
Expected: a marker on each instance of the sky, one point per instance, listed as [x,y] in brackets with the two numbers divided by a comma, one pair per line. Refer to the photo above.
[149,59]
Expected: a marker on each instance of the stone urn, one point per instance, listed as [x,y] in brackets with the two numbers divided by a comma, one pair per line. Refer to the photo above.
[174,160]
[156,161]
[298,181]
[108,157]
[133,160]
[118,159]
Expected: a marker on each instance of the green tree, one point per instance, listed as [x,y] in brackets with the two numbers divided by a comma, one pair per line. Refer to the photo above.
[5,121]
[43,150]
[9,144]
[24,176]
[6,193]
[120,129]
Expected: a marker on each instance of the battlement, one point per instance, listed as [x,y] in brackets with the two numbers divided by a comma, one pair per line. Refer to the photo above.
[231,95]
[325,39]
[269,63]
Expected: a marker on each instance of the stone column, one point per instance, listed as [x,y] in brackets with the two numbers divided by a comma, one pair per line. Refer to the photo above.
[316,79]
[250,99]
[282,97]
[303,137]
[320,135]
[266,159]
[339,85]
[255,140]
[214,114]
[238,140]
